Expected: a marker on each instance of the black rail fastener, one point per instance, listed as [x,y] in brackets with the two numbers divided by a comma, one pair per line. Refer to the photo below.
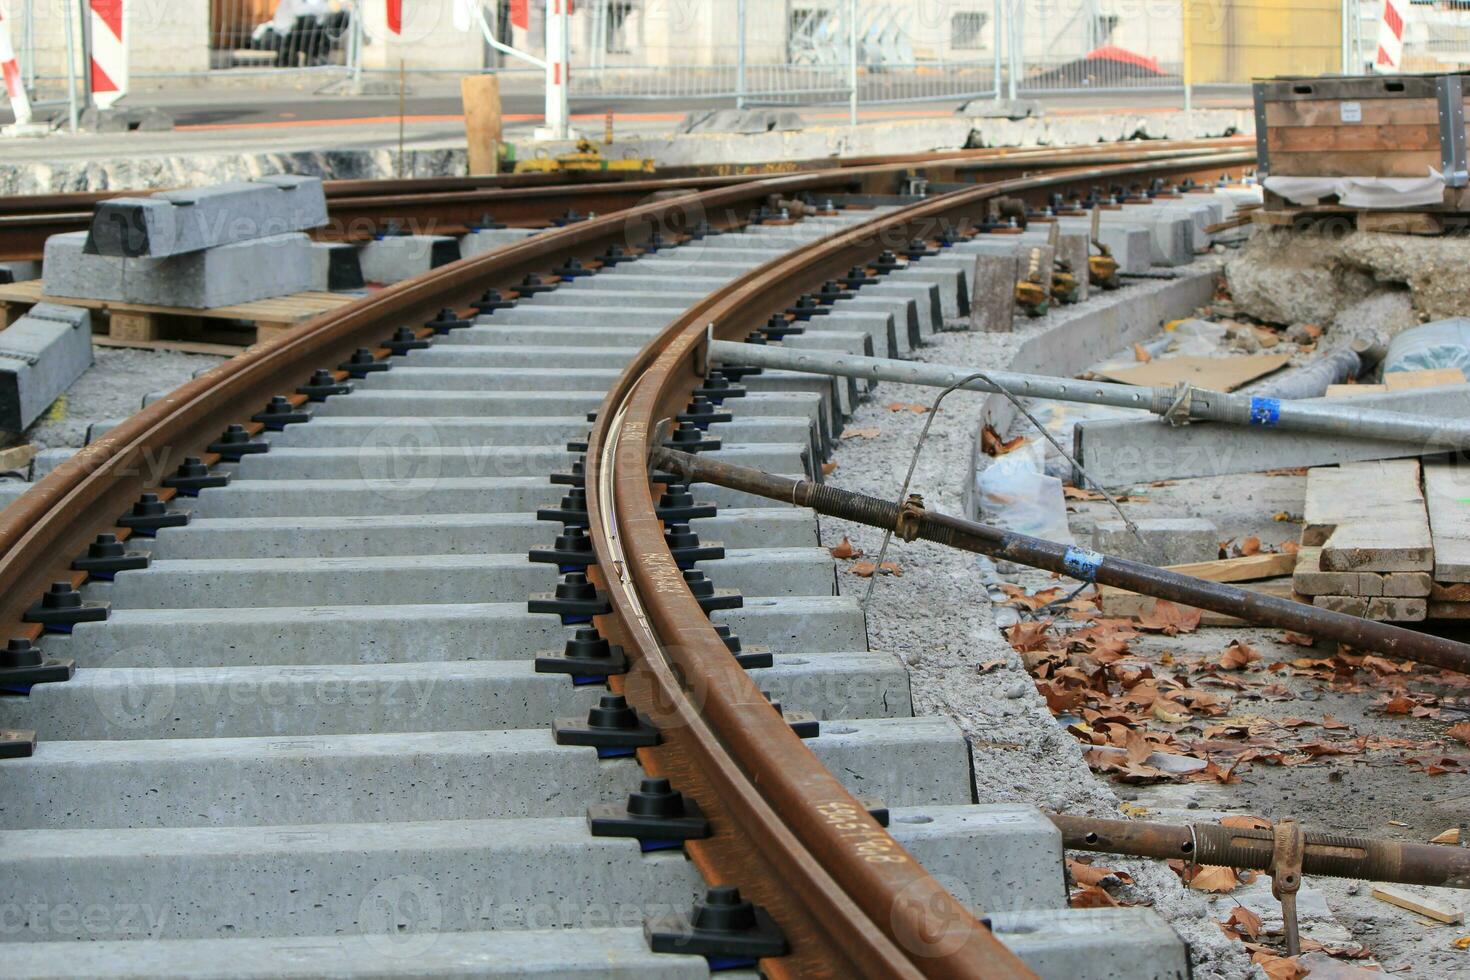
[446,321]
[717,387]
[533,284]
[491,301]
[918,249]
[572,512]
[575,600]
[577,446]
[279,413]
[17,743]
[486,222]
[613,728]
[362,363]
[703,413]
[616,254]
[807,306]
[779,328]
[570,552]
[588,657]
[62,607]
[688,437]
[857,277]
[323,385]
[751,658]
[107,556]
[685,545]
[886,263]
[573,269]
[235,443]
[568,217]
[805,725]
[654,242]
[193,476]
[22,664]
[831,292]
[658,816]
[577,477]
[710,598]
[444,251]
[676,505]
[405,339]
[150,514]
[724,928]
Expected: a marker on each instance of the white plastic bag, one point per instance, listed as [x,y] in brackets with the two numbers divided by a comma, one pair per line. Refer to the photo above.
[1016,494]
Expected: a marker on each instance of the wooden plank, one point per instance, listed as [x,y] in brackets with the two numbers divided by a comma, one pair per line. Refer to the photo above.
[1447,495]
[1239,569]
[1401,222]
[1376,513]
[1348,391]
[1429,378]
[182,346]
[28,291]
[481,97]
[1352,137]
[10,312]
[16,457]
[1356,163]
[127,325]
[1371,112]
[1121,604]
[1429,907]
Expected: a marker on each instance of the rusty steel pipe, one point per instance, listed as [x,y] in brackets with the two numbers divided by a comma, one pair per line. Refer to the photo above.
[1329,854]
[1078,563]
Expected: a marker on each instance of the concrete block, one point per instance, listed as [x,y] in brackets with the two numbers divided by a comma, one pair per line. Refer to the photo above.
[48,459]
[223,276]
[1129,243]
[335,267]
[1166,540]
[41,355]
[11,491]
[96,430]
[489,239]
[1122,452]
[397,257]
[1094,944]
[993,308]
[1172,232]
[182,221]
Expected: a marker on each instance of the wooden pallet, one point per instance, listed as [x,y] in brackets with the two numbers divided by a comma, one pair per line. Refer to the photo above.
[1279,213]
[145,326]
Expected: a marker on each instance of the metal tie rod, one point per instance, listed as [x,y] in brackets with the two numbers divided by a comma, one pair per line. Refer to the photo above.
[912,520]
[1177,404]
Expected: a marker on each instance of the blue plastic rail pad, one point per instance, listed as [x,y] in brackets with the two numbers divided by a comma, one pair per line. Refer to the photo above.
[1265,411]
[1082,564]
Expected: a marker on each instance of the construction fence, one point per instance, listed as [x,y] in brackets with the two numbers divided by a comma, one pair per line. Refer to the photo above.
[752,52]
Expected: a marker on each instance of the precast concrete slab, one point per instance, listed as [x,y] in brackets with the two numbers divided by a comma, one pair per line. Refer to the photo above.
[41,355]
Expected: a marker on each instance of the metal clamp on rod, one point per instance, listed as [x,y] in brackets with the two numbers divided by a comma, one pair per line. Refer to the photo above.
[1173,404]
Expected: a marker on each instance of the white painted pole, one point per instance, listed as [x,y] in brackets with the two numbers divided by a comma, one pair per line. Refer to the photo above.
[740,13]
[72,112]
[852,63]
[995,42]
[15,89]
[1016,38]
[557,49]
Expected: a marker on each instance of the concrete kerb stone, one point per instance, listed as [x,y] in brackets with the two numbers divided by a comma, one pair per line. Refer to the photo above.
[1166,540]
[41,355]
[1123,452]
[394,258]
[240,272]
[181,221]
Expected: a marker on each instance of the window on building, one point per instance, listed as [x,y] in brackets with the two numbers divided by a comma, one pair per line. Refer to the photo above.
[965,28]
[617,40]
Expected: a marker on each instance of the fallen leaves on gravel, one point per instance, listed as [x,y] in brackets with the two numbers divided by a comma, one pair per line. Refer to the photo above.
[845,549]
[1243,923]
[1238,655]
[1029,636]
[908,407]
[1298,639]
[829,468]
[1214,878]
[865,569]
[869,433]
[1091,897]
[1461,732]
[1278,967]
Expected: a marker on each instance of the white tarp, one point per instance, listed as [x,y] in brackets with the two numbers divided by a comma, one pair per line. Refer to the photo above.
[1362,192]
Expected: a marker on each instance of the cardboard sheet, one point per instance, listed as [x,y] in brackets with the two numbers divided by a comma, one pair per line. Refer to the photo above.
[1214,373]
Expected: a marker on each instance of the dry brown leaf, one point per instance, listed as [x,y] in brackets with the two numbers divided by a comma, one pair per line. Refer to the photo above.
[1141,355]
[829,468]
[845,549]
[1091,874]
[1279,967]
[1290,547]
[869,433]
[1027,636]
[992,445]
[1250,546]
[891,568]
[863,569]
[1214,878]
[1170,619]
[1333,725]
[1237,655]
[1400,705]
[1244,921]
[908,407]
[1091,897]
[1451,836]
[1460,732]
[1298,639]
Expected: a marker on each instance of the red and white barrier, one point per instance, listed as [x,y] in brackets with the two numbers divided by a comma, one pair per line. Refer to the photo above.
[1390,57]
[20,102]
[109,68]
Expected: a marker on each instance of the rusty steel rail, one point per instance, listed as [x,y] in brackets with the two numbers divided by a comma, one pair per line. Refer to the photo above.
[851,901]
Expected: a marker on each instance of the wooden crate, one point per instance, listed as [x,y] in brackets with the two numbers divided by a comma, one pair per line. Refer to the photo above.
[1365,126]
[144,325]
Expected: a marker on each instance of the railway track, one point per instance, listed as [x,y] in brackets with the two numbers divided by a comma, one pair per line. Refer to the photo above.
[396,631]
[360,209]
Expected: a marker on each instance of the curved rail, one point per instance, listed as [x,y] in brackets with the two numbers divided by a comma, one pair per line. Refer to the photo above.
[850,899]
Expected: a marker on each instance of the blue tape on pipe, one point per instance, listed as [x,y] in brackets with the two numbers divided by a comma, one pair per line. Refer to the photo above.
[1082,564]
[1265,411]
